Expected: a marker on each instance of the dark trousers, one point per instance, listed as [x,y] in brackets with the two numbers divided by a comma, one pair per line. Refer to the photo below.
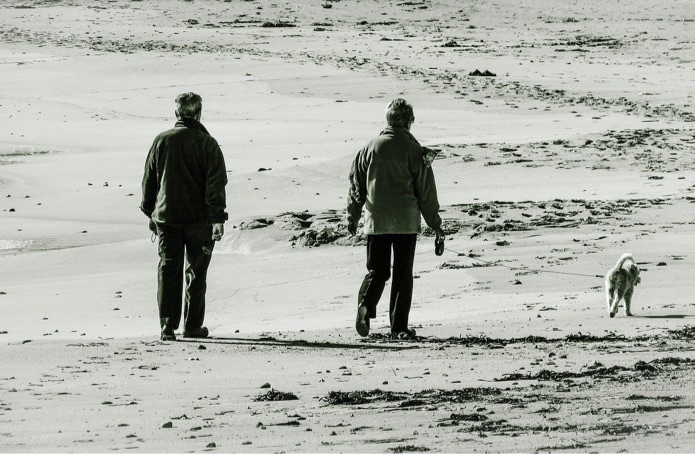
[379,267]
[176,243]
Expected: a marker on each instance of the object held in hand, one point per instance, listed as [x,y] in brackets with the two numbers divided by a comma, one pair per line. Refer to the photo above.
[429,156]
[439,246]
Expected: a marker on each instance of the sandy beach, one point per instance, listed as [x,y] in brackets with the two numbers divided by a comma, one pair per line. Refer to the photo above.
[565,133]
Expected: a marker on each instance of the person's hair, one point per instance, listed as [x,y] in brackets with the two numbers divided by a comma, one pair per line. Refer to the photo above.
[399,113]
[188,105]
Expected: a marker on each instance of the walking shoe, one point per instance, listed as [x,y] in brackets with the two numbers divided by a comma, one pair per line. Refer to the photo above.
[198,333]
[408,333]
[168,334]
[362,323]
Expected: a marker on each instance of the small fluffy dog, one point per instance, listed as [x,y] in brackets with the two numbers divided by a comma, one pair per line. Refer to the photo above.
[620,284]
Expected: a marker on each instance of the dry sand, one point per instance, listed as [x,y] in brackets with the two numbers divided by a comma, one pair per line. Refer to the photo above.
[579,149]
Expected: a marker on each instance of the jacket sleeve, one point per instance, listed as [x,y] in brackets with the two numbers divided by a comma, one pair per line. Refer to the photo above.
[426,193]
[357,195]
[150,183]
[216,181]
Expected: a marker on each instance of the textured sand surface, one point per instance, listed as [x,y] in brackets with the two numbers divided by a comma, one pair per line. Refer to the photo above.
[578,149]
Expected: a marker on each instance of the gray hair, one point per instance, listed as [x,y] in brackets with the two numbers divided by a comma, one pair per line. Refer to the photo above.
[188,105]
[399,113]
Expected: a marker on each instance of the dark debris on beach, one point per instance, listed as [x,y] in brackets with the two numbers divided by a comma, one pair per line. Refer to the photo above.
[275,396]
[685,333]
[426,397]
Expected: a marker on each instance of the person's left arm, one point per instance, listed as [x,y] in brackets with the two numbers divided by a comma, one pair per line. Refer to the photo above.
[150,182]
[426,194]
[357,194]
[216,181]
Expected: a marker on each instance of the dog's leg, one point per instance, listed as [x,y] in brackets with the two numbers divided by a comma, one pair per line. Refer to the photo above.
[614,307]
[609,295]
[628,301]
[613,295]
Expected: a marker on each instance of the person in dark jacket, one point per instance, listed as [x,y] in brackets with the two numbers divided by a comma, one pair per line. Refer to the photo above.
[183,194]
[392,179]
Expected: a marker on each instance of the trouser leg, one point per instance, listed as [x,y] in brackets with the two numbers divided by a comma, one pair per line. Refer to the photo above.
[402,284]
[197,262]
[379,271]
[170,274]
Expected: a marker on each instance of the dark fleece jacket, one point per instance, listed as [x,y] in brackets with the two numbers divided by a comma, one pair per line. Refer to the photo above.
[185,177]
[391,180]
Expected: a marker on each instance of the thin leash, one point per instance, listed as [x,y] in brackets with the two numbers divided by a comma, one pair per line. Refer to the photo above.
[463,254]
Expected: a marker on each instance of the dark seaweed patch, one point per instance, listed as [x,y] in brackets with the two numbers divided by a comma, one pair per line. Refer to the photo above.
[485,341]
[456,418]
[659,398]
[273,396]
[685,333]
[409,448]
[597,370]
[426,397]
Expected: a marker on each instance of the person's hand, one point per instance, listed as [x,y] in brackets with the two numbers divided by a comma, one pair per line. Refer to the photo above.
[217,231]
[352,228]
[153,226]
[440,234]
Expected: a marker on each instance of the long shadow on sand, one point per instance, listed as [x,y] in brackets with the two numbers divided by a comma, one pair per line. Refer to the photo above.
[678,316]
[297,343]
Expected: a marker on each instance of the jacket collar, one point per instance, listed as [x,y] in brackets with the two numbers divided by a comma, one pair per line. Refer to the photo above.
[394,130]
[191,123]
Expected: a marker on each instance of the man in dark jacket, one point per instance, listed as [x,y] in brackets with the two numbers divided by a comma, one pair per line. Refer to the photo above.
[183,194]
[391,177]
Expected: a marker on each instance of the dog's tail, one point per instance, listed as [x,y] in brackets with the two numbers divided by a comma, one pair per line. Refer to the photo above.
[623,258]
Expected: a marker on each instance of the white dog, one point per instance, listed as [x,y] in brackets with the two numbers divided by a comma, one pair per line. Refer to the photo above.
[620,284]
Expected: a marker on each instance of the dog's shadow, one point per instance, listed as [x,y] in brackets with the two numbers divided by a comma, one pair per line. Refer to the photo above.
[676,316]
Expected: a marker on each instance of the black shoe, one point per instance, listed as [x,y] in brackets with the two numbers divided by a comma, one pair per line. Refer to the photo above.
[362,323]
[408,333]
[168,334]
[438,246]
[198,333]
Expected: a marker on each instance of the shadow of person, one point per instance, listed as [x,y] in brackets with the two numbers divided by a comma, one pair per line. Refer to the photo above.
[299,343]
